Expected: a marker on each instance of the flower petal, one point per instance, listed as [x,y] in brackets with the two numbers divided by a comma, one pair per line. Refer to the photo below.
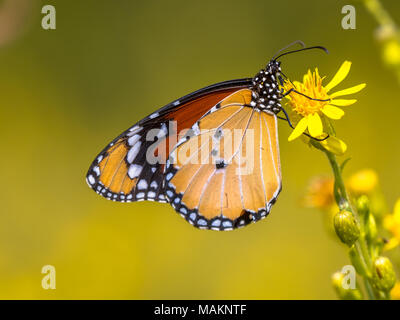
[342,102]
[347,91]
[300,128]
[334,145]
[332,112]
[339,76]
[315,125]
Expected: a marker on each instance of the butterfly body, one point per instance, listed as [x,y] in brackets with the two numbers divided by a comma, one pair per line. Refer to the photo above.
[266,92]
[212,187]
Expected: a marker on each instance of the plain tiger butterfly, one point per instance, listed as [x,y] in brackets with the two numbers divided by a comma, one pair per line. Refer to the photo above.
[212,154]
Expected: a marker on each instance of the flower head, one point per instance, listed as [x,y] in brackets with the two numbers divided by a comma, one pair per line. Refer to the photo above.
[363,182]
[311,111]
[319,193]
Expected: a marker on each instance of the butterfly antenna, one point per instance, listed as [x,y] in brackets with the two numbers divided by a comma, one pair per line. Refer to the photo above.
[288,46]
[303,49]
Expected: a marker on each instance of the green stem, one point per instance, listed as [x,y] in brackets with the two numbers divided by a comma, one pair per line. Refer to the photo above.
[368,288]
[344,203]
[376,9]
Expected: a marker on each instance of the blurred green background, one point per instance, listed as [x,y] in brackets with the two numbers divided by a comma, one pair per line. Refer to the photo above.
[65,93]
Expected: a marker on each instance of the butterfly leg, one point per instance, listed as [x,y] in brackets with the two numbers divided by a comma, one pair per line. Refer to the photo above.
[286,118]
[304,95]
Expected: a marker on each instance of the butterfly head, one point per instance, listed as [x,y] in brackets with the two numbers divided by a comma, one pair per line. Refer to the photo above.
[273,67]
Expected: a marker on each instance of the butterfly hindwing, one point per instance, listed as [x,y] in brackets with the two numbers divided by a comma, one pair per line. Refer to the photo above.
[231,175]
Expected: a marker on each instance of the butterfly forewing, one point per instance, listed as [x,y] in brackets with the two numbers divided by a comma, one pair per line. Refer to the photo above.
[132,166]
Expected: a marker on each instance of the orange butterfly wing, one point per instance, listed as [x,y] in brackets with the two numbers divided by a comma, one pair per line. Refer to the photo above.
[122,172]
[227,173]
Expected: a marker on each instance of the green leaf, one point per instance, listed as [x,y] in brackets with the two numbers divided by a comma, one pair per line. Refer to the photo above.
[344,164]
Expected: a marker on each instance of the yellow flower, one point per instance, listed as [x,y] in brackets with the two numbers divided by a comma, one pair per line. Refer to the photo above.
[311,110]
[363,182]
[392,223]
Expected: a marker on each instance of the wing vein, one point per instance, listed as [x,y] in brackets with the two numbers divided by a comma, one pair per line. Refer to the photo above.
[261,164]
[272,157]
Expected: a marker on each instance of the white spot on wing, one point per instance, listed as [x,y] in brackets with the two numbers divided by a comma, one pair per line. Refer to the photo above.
[134,170]
[151,194]
[216,223]
[135,129]
[202,222]
[140,195]
[132,153]
[154,185]
[96,169]
[132,140]
[227,224]
[169,176]
[142,185]
[91,179]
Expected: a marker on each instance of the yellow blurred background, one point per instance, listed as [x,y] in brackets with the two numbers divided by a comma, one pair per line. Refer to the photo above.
[66,93]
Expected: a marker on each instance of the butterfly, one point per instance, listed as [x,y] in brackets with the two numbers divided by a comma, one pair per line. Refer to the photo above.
[213,154]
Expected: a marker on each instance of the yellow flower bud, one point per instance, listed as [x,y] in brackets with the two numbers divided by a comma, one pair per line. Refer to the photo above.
[363,204]
[337,279]
[334,145]
[383,275]
[346,227]
[371,229]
